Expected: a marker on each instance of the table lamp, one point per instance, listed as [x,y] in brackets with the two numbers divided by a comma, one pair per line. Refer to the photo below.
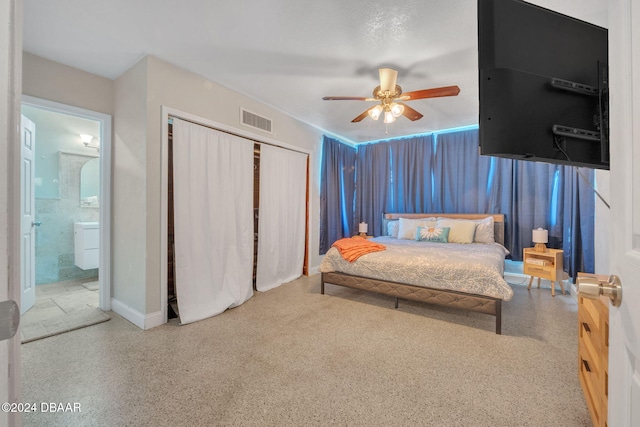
[540,237]
[362,228]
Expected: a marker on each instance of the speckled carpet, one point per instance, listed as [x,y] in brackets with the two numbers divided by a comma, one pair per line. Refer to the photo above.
[293,357]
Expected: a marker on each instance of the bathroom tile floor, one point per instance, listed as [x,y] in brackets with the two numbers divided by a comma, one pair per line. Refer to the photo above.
[62,307]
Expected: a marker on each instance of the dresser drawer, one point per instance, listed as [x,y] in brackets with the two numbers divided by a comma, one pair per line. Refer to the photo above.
[591,389]
[592,308]
[590,332]
[589,359]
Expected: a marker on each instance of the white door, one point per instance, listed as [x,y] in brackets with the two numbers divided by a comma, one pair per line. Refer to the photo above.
[624,321]
[28,224]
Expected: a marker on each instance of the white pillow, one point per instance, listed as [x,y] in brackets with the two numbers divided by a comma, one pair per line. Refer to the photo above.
[484,231]
[392,228]
[408,228]
[460,230]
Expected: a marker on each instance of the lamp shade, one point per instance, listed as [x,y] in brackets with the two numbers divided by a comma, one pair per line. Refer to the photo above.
[540,235]
[396,109]
[363,227]
[389,117]
[374,112]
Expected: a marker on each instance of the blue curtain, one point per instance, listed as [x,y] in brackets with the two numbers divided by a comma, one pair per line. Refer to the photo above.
[372,185]
[411,184]
[337,192]
[447,174]
[530,204]
[462,176]
[393,176]
[578,218]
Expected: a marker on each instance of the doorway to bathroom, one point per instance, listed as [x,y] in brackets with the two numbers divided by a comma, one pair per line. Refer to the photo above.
[65,244]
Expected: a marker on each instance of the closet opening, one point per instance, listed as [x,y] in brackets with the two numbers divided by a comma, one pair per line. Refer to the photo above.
[256,209]
[303,172]
[172,299]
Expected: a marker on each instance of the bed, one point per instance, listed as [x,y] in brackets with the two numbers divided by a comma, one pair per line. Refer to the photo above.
[459,273]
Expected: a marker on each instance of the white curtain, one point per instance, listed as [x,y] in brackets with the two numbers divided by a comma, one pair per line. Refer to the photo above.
[213,210]
[282,216]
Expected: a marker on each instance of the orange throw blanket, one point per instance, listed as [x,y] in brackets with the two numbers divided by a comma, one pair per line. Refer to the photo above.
[352,248]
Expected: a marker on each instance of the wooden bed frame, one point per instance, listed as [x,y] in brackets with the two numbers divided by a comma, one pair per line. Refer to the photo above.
[472,302]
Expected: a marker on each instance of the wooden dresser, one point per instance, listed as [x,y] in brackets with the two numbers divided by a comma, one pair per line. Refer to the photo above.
[593,353]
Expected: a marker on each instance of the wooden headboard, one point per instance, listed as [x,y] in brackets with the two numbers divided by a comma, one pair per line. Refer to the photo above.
[498,220]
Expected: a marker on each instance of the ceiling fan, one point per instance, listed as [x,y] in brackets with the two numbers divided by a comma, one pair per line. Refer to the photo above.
[388,93]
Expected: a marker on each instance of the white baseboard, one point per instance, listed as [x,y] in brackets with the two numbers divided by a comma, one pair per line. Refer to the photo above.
[142,321]
[131,314]
[314,270]
[573,291]
[154,319]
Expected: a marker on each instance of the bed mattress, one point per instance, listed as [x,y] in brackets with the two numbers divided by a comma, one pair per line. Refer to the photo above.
[475,268]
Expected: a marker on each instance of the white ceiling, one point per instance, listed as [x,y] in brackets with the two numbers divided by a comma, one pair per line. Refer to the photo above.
[289,53]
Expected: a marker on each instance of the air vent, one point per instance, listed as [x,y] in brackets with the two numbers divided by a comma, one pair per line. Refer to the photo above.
[253,120]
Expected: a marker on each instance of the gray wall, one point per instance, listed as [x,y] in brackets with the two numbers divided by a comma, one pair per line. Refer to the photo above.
[138,160]
[134,100]
[51,80]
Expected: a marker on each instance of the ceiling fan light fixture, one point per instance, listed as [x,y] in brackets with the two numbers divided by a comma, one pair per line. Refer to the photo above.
[389,117]
[375,112]
[388,92]
[397,109]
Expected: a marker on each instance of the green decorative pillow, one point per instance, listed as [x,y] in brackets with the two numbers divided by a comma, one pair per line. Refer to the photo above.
[433,234]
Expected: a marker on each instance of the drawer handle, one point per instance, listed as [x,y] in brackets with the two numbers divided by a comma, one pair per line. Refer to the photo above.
[586,327]
[586,365]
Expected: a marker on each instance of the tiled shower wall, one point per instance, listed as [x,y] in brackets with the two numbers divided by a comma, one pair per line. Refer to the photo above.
[54,238]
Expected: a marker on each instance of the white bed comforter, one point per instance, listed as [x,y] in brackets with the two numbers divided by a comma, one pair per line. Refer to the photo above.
[476,268]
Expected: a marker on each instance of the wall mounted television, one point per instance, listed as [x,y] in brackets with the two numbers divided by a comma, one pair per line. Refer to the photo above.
[544,92]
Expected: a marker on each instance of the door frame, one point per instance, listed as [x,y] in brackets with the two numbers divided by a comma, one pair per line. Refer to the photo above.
[105,185]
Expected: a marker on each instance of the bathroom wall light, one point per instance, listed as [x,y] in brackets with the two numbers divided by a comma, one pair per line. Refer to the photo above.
[90,142]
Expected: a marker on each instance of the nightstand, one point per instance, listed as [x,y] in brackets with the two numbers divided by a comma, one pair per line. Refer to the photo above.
[545,265]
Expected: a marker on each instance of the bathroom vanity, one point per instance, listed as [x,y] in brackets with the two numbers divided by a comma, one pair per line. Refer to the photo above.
[86,237]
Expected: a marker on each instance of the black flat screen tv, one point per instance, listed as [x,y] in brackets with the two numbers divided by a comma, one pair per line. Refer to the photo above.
[543,81]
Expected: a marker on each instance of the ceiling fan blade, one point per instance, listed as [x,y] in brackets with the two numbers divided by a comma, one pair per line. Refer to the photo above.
[410,113]
[388,79]
[361,116]
[347,98]
[431,93]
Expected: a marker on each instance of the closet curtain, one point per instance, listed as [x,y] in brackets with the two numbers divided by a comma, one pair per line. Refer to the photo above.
[213,220]
[282,216]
